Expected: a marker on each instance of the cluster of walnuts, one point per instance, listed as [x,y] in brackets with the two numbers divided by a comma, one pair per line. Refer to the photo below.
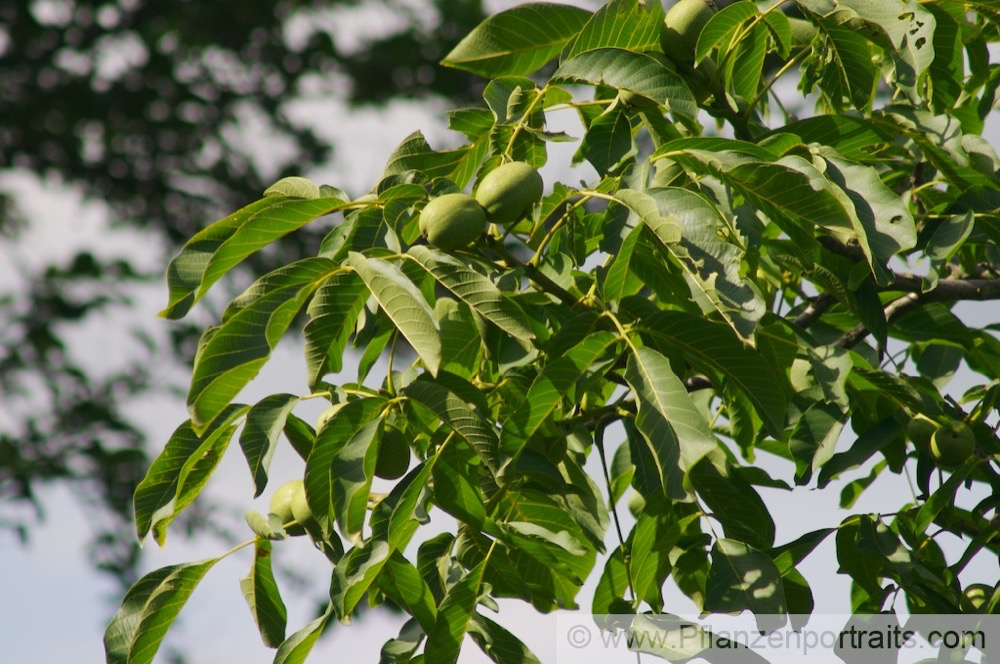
[504,195]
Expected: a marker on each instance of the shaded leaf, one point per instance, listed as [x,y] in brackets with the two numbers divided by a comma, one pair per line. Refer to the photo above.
[261,593]
[548,389]
[404,304]
[354,575]
[677,434]
[297,647]
[464,419]
[333,314]
[475,290]
[734,503]
[264,424]
[454,615]
[179,473]
[743,578]
[149,608]
[319,479]
[231,355]
[638,72]
[713,347]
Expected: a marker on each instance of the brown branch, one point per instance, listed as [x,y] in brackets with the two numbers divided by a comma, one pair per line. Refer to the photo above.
[532,272]
[947,290]
[812,313]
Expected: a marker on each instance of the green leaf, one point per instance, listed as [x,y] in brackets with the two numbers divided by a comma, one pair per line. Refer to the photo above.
[781,33]
[743,578]
[866,445]
[944,496]
[949,237]
[229,356]
[677,639]
[734,503]
[865,566]
[673,427]
[354,575]
[653,538]
[260,230]
[714,348]
[814,438]
[887,221]
[297,647]
[609,596]
[261,593]
[402,582]
[454,615]
[712,252]
[510,97]
[941,139]
[628,24]
[723,27]
[517,41]
[186,271]
[465,420]
[853,137]
[664,225]
[748,63]
[456,484]
[264,424]
[548,390]
[319,478]
[638,72]
[179,473]
[475,290]
[149,608]
[617,279]
[333,314]
[351,470]
[499,644]
[903,27]
[608,140]
[293,187]
[416,154]
[404,304]
[847,70]
[461,344]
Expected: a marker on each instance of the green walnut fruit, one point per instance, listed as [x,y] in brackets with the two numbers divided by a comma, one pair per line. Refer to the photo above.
[452,221]
[327,415]
[920,429]
[952,444]
[281,504]
[302,512]
[393,455]
[509,191]
[681,27]
[975,596]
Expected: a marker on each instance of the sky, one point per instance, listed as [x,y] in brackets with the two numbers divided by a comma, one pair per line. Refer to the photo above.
[62,607]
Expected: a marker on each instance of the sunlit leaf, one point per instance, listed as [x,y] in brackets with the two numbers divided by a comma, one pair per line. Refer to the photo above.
[517,41]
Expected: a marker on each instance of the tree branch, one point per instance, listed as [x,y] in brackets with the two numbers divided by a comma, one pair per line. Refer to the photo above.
[532,272]
[812,313]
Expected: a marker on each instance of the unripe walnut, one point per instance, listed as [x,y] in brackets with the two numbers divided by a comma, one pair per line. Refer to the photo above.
[452,221]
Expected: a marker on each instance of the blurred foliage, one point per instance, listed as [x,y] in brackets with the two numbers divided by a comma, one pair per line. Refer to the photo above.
[141,104]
